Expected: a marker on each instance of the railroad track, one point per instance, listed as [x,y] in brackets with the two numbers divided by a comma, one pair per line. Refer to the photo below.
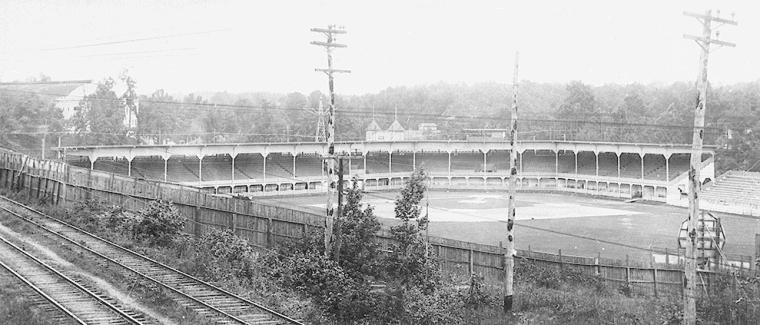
[216,304]
[76,303]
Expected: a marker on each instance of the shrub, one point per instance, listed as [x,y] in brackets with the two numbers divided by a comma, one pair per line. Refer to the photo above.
[159,224]
[217,255]
[344,297]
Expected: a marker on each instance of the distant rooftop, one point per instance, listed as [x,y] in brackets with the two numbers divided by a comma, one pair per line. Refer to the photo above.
[373,126]
[51,88]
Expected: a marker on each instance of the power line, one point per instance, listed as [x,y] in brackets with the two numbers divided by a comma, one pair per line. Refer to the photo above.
[367,112]
[125,41]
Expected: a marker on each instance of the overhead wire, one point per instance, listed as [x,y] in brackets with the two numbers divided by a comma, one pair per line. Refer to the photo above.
[126,41]
[367,112]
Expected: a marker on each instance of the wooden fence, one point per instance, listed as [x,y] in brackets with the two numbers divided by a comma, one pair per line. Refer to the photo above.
[267,226]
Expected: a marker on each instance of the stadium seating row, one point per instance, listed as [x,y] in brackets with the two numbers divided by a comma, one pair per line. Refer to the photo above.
[734,188]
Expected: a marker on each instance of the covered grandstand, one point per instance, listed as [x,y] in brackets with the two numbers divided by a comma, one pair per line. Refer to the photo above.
[651,171]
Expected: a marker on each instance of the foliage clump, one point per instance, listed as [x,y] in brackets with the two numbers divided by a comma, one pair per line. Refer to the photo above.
[159,224]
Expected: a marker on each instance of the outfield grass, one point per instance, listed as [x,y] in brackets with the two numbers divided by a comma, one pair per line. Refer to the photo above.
[474,217]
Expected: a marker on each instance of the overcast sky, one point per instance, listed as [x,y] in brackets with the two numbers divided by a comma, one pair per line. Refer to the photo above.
[264,46]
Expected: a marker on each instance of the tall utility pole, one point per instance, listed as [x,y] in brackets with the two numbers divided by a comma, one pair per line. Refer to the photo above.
[320,137]
[510,265]
[338,221]
[330,132]
[690,267]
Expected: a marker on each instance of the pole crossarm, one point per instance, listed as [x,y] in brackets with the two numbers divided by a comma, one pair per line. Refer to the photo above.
[328,31]
[332,70]
[710,17]
[708,40]
[325,44]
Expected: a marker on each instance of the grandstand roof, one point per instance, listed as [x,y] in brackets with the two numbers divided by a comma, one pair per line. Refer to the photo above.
[373,126]
[396,126]
[52,88]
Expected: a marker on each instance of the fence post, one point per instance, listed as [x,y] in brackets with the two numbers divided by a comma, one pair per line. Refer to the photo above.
[471,265]
[598,263]
[197,215]
[667,257]
[627,272]
[654,279]
[39,184]
[232,211]
[561,263]
[504,255]
[65,178]
[269,233]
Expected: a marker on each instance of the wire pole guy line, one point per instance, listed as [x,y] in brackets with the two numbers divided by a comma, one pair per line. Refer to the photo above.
[690,267]
[510,258]
[330,132]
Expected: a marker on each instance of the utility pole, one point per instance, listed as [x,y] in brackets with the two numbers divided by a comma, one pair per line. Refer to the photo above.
[330,132]
[338,221]
[690,267]
[320,137]
[510,258]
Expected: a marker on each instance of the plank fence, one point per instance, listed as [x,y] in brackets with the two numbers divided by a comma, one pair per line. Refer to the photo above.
[266,226]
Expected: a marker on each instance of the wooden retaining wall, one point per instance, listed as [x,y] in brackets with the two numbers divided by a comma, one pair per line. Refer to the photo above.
[267,226]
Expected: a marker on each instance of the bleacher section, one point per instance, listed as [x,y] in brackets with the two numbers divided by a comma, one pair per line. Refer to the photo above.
[308,166]
[566,162]
[587,163]
[279,166]
[183,169]
[377,163]
[434,162]
[466,162]
[607,164]
[217,167]
[734,188]
[538,161]
[630,166]
[402,162]
[118,166]
[499,160]
[679,164]
[654,167]
[249,166]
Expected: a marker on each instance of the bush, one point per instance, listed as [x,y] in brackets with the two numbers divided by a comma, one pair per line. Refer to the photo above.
[344,297]
[217,255]
[159,224]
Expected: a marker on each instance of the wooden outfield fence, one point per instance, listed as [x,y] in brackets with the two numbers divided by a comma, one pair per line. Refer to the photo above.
[267,226]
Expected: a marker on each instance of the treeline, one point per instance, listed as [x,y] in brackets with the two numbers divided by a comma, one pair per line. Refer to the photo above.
[573,111]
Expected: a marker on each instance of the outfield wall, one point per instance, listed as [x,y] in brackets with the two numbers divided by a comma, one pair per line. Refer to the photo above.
[266,226]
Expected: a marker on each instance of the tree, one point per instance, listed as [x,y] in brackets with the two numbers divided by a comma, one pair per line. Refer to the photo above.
[40,78]
[160,114]
[300,121]
[579,104]
[359,253]
[408,263]
[101,115]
